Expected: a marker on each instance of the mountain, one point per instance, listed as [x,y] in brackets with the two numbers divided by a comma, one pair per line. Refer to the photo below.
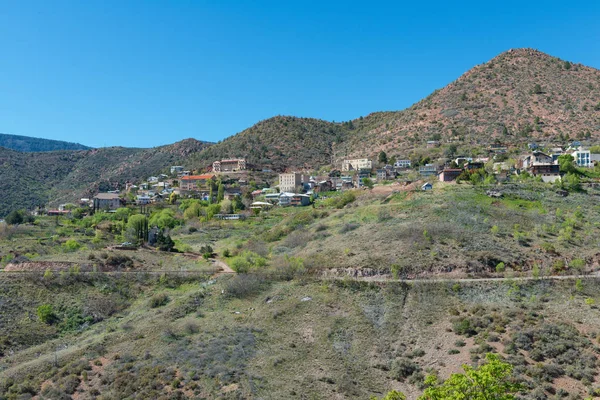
[31,144]
[280,143]
[520,95]
[33,179]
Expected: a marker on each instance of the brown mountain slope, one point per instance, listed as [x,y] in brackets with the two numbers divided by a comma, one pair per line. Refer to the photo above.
[280,143]
[521,94]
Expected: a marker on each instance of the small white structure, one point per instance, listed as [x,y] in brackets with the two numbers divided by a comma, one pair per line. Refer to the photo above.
[427,186]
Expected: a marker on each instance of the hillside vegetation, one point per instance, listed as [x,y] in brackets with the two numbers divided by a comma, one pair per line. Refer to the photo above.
[280,143]
[520,95]
[31,144]
[33,179]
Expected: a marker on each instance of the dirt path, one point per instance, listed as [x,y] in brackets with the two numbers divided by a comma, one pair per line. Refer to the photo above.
[226,269]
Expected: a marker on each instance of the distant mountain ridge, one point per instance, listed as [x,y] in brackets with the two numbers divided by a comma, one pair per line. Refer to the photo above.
[32,144]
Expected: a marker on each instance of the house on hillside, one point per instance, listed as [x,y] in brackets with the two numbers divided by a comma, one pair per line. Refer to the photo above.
[403,164]
[428,170]
[106,201]
[232,192]
[472,165]
[449,174]
[427,186]
[433,143]
[582,158]
[195,182]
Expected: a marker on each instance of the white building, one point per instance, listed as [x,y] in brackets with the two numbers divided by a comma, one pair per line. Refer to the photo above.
[402,164]
[357,164]
[582,158]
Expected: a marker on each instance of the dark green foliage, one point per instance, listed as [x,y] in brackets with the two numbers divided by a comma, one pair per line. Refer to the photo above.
[382,158]
[164,242]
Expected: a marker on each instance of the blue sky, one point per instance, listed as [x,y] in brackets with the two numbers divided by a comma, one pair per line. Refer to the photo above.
[146,73]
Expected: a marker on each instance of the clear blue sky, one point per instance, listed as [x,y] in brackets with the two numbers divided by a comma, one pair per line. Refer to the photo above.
[145,73]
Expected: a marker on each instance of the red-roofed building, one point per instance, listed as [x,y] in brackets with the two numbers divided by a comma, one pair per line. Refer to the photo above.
[195,182]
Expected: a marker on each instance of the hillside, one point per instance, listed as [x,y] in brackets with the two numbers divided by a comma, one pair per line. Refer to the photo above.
[31,144]
[280,143]
[33,179]
[520,95]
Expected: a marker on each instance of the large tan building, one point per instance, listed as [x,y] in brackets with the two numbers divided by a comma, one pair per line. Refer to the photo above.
[232,165]
[106,201]
[357,164]
[290,182]
[194,182]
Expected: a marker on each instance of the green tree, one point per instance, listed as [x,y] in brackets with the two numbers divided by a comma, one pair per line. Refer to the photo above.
[571,182]
[137,227]
[566,163]
[537,89]
[14,218]
[164,219]
[367,182]
[383,159]
[491,381]
[220,193]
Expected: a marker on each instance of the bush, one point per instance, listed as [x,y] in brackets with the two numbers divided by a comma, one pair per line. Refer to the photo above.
[243,285]
[46,314]
[159,300]
[71,245]
[500,268]
[403,367]
[349,227]
[246,261]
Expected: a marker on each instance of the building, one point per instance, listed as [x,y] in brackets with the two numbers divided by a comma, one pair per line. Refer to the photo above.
[176,169]
[195,182]
[582,158]
[106,201]
[382,174]
[433,143]
[449,174]
[427,186]
[535,158]
[548,172]
[402,164]
[231,165]
[357,164]
[290,182]
[472,165]
[300,200]
[428,170]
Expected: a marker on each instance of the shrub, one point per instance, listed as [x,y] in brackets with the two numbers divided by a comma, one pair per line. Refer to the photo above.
[46,314]
[243,285]
[71,245]
[226,253]
[403,367]
[349,227]
[159,300]
[500,268]
[246,261]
